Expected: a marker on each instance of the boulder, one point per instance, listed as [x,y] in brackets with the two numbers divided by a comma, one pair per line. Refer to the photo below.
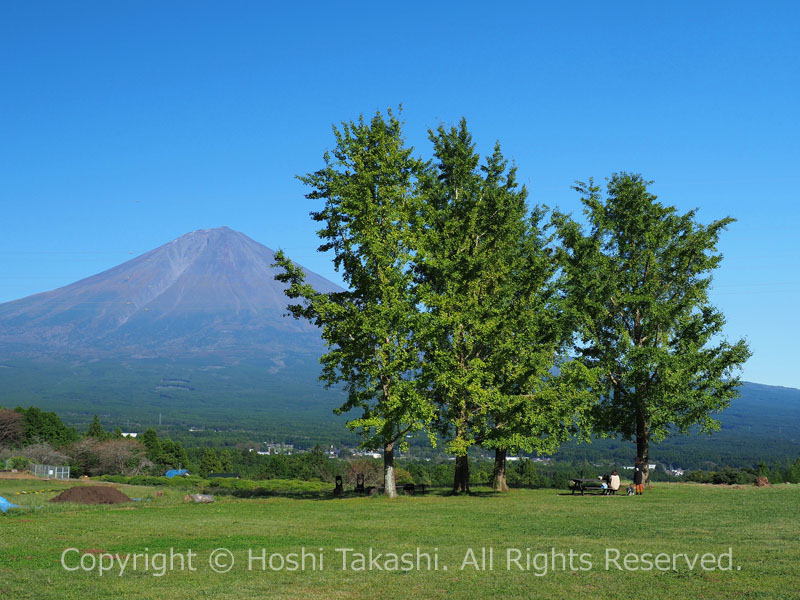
[199,498]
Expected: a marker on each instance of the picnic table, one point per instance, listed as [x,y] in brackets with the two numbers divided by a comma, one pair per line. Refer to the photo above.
[586,485]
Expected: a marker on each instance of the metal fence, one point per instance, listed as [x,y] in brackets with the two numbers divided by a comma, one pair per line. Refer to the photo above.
[50,471]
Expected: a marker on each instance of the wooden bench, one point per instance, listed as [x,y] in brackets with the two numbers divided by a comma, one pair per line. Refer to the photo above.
[586,485]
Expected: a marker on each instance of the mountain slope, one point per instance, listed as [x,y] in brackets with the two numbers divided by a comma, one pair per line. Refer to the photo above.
[210,291]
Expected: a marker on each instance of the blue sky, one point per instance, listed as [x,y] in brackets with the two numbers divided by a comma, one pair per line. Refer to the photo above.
[124,125]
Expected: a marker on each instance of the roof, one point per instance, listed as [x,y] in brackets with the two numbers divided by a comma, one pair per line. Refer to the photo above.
[174,472]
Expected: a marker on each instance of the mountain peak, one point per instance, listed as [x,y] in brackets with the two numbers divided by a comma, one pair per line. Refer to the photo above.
[206,291]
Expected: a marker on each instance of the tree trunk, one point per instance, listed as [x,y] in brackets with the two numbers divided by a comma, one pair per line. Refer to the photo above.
[643,446]
[461,479]
[499,482]
[389,487]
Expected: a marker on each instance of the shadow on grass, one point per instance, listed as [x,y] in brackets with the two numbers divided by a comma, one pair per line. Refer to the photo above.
[302,494]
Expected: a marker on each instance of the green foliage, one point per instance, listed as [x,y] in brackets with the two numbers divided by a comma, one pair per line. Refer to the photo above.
[368,189]
[728,475]
[523,473]
[188,482]
[494,324]
[153,445]
[17,462]
[402,476]
[225,461]
[638,281]
[96,430]
[172,456]
[209,464]
[46,427]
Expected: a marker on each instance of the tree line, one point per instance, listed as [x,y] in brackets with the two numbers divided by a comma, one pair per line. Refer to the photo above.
[32,435]
[481,321]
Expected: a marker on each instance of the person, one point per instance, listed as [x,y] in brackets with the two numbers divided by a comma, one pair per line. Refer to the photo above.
[638,476]
[613,482]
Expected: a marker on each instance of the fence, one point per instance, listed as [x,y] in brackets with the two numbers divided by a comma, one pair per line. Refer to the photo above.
[50,471]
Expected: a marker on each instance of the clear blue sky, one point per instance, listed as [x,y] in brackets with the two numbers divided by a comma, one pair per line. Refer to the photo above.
[126,124]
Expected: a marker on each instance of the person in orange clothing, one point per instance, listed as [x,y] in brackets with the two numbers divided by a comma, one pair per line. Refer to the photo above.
[638,476]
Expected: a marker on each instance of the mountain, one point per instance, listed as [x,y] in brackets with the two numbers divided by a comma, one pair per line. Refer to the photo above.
[192,333]
[209,292]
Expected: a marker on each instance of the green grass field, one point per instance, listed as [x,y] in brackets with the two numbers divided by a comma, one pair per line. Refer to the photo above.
[761,527]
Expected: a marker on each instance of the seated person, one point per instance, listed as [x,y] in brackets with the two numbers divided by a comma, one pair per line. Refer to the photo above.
[613,482]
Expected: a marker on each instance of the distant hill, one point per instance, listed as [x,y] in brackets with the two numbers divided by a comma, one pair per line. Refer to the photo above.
[762,424]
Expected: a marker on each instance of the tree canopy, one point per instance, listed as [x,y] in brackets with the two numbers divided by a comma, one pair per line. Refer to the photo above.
[466,317]
[494,325]
[639,280]
[368,189]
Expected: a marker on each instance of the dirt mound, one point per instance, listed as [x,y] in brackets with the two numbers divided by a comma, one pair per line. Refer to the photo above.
[92,494]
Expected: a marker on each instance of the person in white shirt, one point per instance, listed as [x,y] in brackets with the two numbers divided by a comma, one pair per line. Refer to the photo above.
[613,483]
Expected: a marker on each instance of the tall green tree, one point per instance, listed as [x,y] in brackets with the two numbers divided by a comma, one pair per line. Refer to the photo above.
[152,443]
[640,276]
[173,455]
[494,323]
[96,429]
[368,187]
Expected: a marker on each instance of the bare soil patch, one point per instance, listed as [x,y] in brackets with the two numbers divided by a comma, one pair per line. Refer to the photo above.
[92,494]
[17,475]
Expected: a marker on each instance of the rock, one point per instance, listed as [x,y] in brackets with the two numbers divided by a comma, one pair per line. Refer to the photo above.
[199,498]
[761,482]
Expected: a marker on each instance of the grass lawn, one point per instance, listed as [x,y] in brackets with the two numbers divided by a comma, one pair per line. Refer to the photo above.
[760,525]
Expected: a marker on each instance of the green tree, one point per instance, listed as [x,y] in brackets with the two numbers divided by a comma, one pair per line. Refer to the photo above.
[368,186]
[526,472]
[494,324]
[96,429]
[153,445]
[555,408]
[46,427]
[225,461]
[209,463]
[639,278]
[173,455]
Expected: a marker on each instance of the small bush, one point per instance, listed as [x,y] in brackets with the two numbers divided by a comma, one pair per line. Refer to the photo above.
[17,462]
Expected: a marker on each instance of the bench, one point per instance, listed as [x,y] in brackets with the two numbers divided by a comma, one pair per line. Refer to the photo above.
[588,485]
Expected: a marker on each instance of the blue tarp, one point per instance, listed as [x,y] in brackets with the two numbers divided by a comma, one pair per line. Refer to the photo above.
[174,472]
[5,504]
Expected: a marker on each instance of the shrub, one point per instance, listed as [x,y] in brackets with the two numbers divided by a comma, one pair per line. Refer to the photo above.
[17,462]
